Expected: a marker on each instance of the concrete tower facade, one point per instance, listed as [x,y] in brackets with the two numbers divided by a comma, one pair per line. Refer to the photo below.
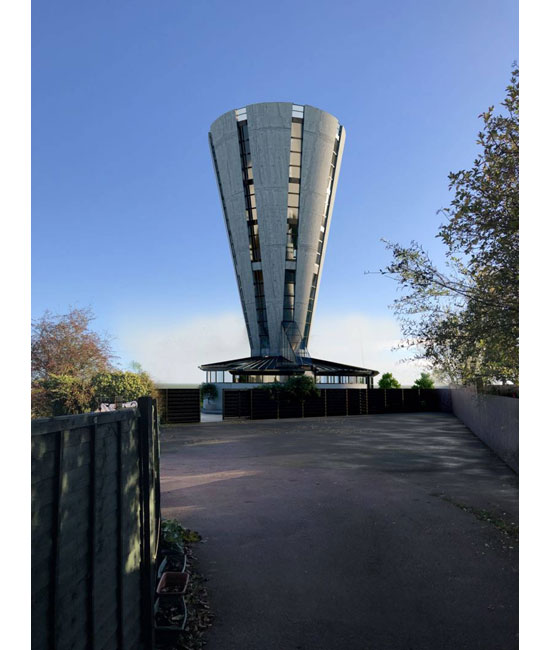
[277,166]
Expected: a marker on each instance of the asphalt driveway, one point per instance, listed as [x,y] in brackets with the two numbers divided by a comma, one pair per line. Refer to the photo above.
[380,532]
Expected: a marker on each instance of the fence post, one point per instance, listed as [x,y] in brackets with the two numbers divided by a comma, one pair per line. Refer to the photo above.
[145,406]
[56,513]
[120,545]
[92,536]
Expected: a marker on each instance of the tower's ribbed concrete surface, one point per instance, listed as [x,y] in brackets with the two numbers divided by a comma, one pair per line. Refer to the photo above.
[277,166]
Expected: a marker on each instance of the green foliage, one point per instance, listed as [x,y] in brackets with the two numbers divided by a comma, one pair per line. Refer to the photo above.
[124,386]
[69,395]
[388,381]
[424,381]
[61,395]
[297,387]
[174,533]
[465,321]
[274,389]
[208,391]
[64,344]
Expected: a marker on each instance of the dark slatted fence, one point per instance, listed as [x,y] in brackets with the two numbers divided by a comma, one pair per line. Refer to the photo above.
[236,403]
[180,405]
[259,404]
[95,527]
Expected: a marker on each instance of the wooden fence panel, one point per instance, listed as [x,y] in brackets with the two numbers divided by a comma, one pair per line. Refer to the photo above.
[336,401]
[262,406]
[236,403]
[376,400]
[258,404]
[181,405]
[315,406]
[92,480]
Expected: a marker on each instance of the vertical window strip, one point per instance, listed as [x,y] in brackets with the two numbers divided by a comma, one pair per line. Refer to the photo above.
[322,234]
[249,192]
[294,176]
[288,304]
[214,158]
[261,311]
[252,225]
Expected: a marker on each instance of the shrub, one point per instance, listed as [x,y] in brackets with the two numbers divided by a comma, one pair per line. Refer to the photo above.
[424,381]
[299,387]
[124,386]
[388,381]
[208,391]
[61,395]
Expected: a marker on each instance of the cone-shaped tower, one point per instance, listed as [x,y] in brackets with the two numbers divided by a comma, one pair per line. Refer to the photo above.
[277,166]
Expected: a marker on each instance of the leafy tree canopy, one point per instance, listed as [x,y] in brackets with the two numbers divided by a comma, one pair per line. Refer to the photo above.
[209,391]
[297,387]
[72,367]
[424,381]
[388,381]
[64,344]
[465,320]
[108,387]
[300,387]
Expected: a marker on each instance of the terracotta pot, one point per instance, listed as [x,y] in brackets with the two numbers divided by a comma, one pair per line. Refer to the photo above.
[172,583]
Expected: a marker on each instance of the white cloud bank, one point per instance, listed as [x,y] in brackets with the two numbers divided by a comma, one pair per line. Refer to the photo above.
[172,354]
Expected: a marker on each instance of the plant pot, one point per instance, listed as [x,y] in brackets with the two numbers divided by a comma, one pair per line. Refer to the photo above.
[170,563]
[170,617]
[172,584]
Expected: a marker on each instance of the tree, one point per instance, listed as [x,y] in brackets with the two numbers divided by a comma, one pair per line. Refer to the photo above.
[108,387]
[296,387]
[63,344]
[72,367]
[465,321]
[388,381]
[209,391]
[61,395]
[300,387]
[424,381]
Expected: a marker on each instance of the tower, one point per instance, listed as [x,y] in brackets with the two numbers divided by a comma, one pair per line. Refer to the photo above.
[277,166]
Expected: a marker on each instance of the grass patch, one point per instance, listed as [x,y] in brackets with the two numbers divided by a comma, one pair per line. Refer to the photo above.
[508,528]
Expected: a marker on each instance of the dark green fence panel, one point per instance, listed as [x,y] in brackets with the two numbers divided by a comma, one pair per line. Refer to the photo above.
[236,404]
[336,401]
[95,523]
[262,406]
[357,401]
[181,405]
[376,400]
[290,409]
[394,400]
[315,406]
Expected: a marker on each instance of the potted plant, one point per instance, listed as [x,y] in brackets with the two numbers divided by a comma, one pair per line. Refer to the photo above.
[170,617]
[172,584]
[172,562]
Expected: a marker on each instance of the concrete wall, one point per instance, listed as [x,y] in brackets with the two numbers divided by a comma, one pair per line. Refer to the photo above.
[493,419]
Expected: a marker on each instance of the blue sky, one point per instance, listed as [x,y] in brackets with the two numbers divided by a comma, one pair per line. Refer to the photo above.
[126,214]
